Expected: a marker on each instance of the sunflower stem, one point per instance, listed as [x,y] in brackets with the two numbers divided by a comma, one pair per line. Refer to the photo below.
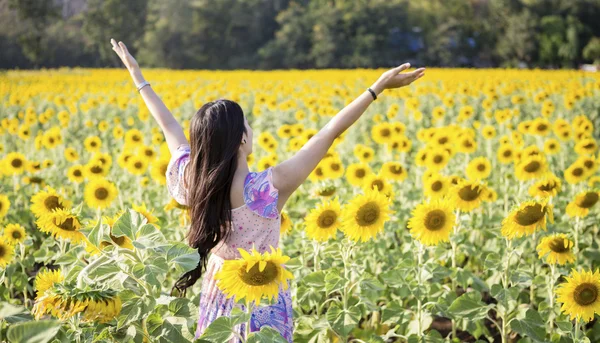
[576,236]
[420,282]
[577,332]
[551,298]
[453,245]
[249,312]
[533,263]
[316,247]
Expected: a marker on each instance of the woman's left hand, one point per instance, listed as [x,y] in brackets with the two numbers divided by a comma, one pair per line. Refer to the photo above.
[394,79]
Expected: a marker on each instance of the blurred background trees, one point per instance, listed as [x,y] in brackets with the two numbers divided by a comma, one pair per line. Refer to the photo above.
[268,34]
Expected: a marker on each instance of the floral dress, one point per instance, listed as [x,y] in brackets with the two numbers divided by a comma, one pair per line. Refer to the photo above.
[254,224]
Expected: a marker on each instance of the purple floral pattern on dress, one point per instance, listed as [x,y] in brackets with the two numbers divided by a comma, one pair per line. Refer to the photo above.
[174,174]
[260,195]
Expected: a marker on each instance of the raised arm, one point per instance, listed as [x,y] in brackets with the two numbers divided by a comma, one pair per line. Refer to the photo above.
[167,123]
[290,174]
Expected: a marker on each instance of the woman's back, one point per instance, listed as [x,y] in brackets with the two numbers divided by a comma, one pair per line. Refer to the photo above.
[256,224]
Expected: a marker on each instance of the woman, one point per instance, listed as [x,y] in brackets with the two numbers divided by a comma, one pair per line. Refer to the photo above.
[231,207]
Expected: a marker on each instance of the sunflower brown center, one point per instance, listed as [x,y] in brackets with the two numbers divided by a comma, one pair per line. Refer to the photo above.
[326,219]
[2,251]
[327,192]
[443,140]
[16,163]
[52,203]
[16,235]
[77,172]
[96,169]
[588,200]
[530,215]
[532,166]
[469,193]
[542,127]
[385,133]
[67,225]
[138,165]
[435,220]
[437,186]
[481,167]
[558,245]
[101,193]
[546,187]
[360,173]
[255,277]
[585,294]
[335,166]
[438,159]
[577,171]
[507,153]
[377,184]
[396,169]
[589,164]
[319,172]
[367,214]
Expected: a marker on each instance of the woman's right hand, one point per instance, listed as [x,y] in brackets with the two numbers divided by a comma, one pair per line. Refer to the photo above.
[125,56]
[394,79]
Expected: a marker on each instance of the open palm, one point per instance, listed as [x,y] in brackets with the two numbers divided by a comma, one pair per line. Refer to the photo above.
[124,54]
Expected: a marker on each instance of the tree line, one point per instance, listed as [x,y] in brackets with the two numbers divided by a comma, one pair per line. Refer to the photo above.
[301,34]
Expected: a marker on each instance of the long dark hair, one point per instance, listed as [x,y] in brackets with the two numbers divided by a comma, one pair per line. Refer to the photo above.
[216,133]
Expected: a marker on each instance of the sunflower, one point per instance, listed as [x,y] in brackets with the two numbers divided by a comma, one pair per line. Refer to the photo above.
[254,275]
[286,223]
[100,193]
[7,252]
[141,209]
[583,202]
[46,201]
[467,145]
[556,248]
[546,187]
[437,159]
[479,168]
[15,163]
[323,222]
[551,146]
[366,154]
[92,143]
[95,170]
[526,219]
[71,155]
[134,137]
[432,223]
[531,167]
[365,216]
[14,234]
[158,171]
[76,174]
[61,223]
[137,165]
[467,195]
[575,173]
[586,146]
[589,163]
[506,154]
[357,172]
[334,168]
[394,171]
[45,279]
[436,187]
[4,205]
[382,133]
[580,295]
[377,183]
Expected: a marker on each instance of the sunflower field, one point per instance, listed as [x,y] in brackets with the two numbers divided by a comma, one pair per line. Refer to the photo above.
[463,208]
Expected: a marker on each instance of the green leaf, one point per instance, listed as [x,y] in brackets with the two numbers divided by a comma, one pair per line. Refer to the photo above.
[565,327]
[40,331]
[492,261]
[8,310]
[334,282]
[392,313]
[183,256]
[98,233]
[181,307]
[532,326]
[470,306]
[127,224]
[164,329]
[342,321]
[149,236]
[266,334]
[220,330]
[134,309]
[315,279]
